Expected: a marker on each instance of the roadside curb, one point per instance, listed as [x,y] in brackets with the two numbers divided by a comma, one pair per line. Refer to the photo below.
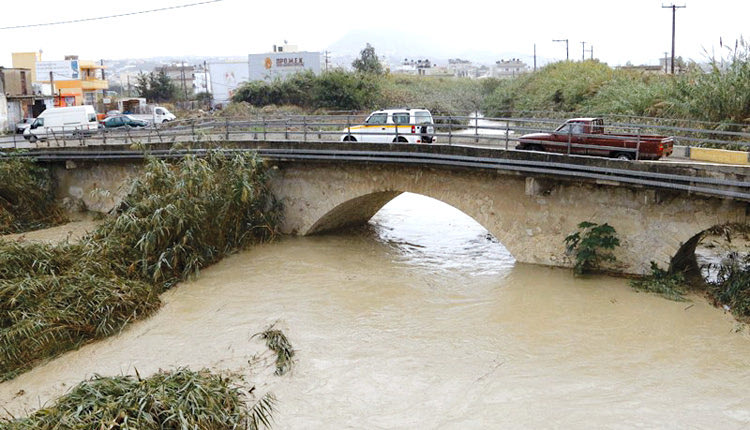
[718,155]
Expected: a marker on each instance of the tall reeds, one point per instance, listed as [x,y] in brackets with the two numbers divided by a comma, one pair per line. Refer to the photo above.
[177,219]
[181,399]
[26,198]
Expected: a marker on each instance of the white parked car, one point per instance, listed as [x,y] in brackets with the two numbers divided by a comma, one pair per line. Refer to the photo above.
[23,125]
[71,120]
[393,126]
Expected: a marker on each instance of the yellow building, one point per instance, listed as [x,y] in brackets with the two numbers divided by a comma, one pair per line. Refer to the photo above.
[27,60]
[82,91]
[88,89]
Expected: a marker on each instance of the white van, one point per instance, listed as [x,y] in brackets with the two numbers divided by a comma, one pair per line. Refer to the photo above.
[62,120]
[406,125]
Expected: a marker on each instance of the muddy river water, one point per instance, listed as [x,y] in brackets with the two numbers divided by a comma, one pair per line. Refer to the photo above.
[421,320]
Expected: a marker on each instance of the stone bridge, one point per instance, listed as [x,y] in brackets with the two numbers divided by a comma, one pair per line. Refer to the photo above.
[529,213]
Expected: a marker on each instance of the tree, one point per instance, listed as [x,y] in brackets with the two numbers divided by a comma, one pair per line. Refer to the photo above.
[368,62]
[156,86]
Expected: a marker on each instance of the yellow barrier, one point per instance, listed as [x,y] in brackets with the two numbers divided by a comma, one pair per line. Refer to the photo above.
[719,156]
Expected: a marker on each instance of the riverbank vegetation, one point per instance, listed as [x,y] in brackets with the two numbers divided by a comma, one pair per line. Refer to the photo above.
[180,399]
[716,99]
[339,90]
[670,285]
[727,270]
[177,219]
[720,96]
[26,197]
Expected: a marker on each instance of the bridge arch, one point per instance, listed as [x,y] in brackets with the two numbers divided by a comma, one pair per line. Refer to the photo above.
[686,257]
[530,216]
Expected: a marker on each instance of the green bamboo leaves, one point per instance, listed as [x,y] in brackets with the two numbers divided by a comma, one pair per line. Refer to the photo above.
[177,219]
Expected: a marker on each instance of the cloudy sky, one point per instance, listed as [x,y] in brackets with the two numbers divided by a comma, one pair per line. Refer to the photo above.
[638,31]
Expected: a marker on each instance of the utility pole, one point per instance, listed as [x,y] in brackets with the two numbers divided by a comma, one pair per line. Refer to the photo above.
[326,59]
[591,51]
[567,56]
[666,62]
[52,86]
[674,10]
[535,57]
[205,82]
[583,51]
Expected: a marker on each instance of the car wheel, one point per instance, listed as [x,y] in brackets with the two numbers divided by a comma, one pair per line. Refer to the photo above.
[33,138]
[400,140]
[623,156]
[349,139]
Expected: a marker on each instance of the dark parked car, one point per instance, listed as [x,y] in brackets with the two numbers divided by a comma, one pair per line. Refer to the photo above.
[123,121]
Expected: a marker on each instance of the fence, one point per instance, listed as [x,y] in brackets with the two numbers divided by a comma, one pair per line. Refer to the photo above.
[505,133]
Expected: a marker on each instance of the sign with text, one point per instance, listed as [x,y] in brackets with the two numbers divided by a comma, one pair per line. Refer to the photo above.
[61,70]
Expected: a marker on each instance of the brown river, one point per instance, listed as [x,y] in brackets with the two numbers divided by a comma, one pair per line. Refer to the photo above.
[421,320]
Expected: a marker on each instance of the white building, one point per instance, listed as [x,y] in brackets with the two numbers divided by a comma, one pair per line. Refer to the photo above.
[225,78]
[284,61]
[509,68]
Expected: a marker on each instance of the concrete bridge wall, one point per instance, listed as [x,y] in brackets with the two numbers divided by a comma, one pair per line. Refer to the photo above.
[530,216]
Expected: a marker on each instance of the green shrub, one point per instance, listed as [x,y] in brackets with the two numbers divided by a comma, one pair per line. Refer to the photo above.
[591,245]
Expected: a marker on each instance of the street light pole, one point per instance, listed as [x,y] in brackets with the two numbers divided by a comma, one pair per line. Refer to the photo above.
[674,9]
[567,56]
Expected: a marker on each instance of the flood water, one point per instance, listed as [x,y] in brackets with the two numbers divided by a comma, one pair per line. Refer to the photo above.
[423,320]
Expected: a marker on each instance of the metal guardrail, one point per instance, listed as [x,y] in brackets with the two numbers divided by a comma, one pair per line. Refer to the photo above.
[501,132]
[710,186]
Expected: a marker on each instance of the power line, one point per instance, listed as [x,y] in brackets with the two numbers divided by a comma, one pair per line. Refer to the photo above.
[74,21]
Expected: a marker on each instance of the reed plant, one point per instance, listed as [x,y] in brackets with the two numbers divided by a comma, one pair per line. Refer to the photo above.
[277,342]
[176,219]
[26,197]
[731,288]
[179,399]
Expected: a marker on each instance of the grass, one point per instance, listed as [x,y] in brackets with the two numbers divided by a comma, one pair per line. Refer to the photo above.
[177,219]
[180,399]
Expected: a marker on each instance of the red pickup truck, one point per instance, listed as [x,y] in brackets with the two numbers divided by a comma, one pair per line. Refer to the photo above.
[586,136]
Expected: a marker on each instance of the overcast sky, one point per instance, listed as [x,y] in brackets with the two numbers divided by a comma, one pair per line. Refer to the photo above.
[628,30]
